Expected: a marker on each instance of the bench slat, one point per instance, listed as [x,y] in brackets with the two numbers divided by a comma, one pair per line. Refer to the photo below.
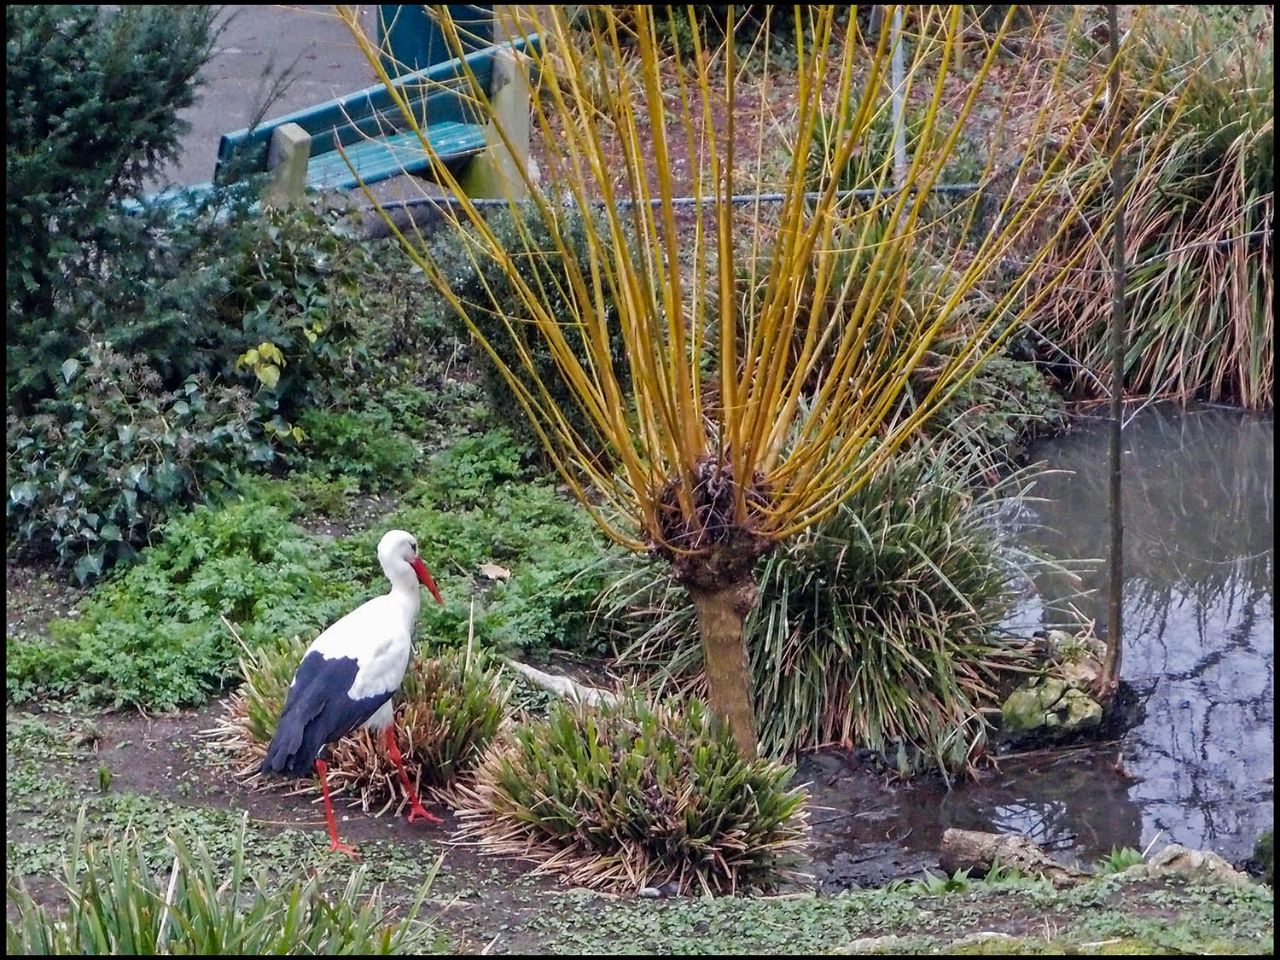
[391,156]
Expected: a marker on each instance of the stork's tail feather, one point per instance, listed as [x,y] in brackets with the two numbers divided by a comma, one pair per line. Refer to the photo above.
[284,755]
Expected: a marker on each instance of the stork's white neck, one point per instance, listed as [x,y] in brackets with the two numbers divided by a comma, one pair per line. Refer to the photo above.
[404,589]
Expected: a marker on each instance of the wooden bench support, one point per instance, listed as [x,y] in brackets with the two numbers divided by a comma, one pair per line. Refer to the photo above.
[287,159]
[496,172]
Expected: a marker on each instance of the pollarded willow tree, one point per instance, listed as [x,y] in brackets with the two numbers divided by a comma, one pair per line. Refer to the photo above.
[770,353]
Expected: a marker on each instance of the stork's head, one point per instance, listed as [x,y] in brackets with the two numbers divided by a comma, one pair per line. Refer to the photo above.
[398,554]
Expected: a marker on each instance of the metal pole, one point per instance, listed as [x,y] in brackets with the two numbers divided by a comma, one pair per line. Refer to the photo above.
[899,101]
[1115,599]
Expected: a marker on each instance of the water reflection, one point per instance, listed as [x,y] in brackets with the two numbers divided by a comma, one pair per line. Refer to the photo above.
[1198,608]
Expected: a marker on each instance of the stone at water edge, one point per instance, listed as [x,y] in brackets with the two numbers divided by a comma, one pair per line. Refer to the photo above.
[1176,860]
[1051,706]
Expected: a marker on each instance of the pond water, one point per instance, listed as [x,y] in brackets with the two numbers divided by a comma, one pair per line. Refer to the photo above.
[1196,768]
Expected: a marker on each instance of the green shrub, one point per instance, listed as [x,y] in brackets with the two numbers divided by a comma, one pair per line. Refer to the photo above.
[364,447]
[878,627]
[448,710]
[476,504]
[170,398]
[216,286]
[94,473]
[116,905]
[636,795]
[154,637]
[92,97]
[1006,404]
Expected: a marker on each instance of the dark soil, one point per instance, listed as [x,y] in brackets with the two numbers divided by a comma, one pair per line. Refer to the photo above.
[34,595]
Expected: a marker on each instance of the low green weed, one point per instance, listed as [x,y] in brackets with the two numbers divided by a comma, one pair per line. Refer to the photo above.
[154,637]
[364,448]
[1119,860]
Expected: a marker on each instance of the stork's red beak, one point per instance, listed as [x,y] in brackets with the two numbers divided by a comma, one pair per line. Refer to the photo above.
[424,576]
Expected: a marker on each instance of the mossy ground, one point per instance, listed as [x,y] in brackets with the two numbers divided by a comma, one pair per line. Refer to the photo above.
[158,775]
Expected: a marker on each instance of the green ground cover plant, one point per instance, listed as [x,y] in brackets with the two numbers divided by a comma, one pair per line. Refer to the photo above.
[167,632]
[154,636]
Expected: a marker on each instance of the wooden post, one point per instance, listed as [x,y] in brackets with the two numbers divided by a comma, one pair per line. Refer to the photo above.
[497,171]
[287,158]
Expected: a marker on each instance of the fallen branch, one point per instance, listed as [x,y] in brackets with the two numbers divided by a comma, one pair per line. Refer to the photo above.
[977,851]
[563,686]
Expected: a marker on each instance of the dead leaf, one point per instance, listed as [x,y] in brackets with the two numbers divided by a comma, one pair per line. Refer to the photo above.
[491,571]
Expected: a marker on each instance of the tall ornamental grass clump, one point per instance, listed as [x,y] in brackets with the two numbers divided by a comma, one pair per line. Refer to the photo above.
[635,795]
[117,906]
[448,710]
[1199,221]
[879,627]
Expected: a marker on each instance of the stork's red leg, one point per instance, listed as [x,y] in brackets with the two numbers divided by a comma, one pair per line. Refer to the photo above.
[322,771]
[417,811]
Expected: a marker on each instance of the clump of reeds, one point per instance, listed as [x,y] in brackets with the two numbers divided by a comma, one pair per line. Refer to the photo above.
[116,905]
[1199,93]
[635,795]
[449,708]
[879,627]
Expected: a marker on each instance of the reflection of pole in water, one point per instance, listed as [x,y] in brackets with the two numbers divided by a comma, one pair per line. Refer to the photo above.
[1198,604]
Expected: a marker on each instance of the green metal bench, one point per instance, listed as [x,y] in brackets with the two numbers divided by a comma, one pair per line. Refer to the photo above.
[368,126]
[372,131]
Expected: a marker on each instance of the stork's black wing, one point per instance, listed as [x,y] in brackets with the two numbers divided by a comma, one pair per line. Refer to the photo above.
[318,710]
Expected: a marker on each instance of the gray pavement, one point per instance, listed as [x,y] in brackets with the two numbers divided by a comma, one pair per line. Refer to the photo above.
[307,45]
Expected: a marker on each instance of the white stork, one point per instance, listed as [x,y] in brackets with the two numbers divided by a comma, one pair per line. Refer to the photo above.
[348,675]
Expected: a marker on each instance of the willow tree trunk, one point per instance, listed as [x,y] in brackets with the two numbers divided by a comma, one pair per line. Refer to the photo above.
[721,618]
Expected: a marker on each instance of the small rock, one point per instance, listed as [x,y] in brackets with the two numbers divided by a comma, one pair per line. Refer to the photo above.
[491,571]
[649,893]
[1081,673]
[889,944]
[1176,860]
[984,938]
[1049,705]
[1058,639]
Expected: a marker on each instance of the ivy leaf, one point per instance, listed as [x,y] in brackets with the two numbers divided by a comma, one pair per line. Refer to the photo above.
[23,493]
[90,565]
[70,367]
